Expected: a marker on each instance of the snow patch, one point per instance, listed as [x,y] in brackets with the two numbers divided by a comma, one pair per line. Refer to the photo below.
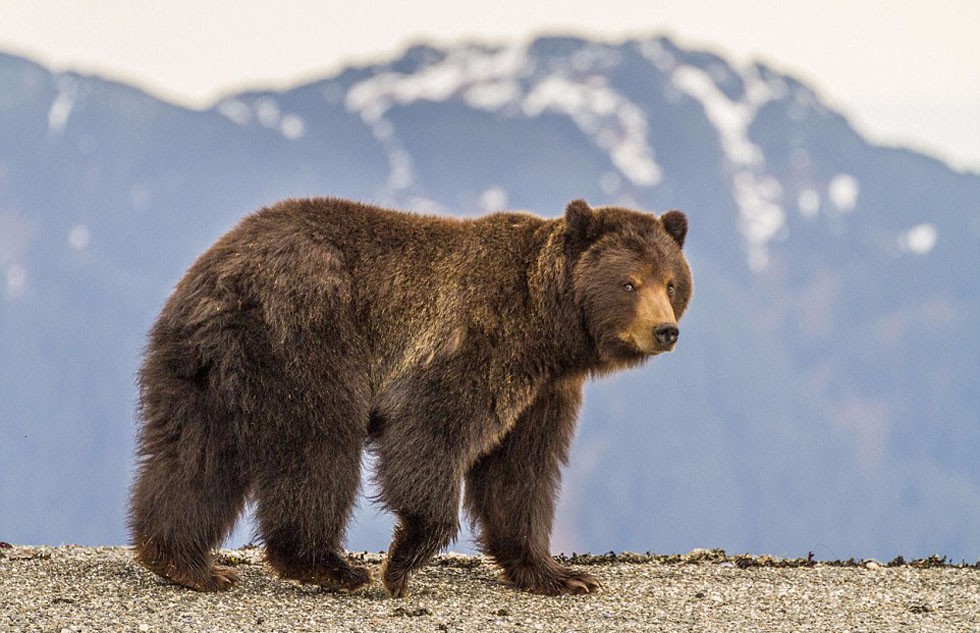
[808,201]
[236,110]
[267,112]
[493,95]
[656,54]
[402,173]
[593,57]
[292,127]
[920,239]
[843,192]
[760,215]
[763,86]
[16,281]
[62,105]
[493,199]
[806,101]
[427,206]
[79,237]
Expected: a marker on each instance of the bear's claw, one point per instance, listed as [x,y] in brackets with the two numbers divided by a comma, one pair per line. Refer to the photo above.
[553,580]
[222,579]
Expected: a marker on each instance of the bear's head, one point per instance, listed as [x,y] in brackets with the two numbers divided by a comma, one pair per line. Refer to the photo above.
[630,279]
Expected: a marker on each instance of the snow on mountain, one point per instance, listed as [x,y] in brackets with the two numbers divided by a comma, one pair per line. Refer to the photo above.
[506,80]
[267,113]
[62,105]
[759,195]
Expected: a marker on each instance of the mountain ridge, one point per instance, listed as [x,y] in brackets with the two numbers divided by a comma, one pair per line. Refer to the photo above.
[826,379]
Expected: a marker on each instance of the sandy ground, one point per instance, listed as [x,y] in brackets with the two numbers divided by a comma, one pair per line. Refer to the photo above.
[73,588]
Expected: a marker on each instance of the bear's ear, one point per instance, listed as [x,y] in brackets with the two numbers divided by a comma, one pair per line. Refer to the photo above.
[578,212]
[581,223]
[675,223]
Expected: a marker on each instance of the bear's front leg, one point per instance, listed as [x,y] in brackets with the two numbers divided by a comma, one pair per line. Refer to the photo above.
[512,490]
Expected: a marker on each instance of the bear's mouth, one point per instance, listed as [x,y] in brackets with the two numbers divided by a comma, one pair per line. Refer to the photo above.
[630,349]
[657,350]
[648,346]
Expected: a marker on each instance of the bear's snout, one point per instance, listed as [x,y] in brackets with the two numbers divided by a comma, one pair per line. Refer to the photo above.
[666,335]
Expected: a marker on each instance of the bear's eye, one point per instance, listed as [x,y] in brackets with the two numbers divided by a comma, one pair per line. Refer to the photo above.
[670,288]
[629,287]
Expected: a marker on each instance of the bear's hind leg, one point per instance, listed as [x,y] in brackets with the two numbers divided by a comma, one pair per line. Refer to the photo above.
[304,498]
[183,505]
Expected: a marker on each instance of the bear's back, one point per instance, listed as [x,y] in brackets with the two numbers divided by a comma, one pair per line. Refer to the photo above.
[307,260]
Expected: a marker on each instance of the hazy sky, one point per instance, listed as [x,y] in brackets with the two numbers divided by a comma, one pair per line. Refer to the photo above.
[906,72]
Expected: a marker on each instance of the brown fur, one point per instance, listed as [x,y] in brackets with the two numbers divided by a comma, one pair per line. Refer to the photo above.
[454,349]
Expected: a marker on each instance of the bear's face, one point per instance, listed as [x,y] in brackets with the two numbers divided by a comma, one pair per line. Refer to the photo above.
[630,278]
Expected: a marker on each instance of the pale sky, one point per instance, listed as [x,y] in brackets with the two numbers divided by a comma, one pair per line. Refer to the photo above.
[905,72]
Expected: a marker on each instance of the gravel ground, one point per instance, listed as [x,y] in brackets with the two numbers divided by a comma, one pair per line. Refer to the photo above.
[71,588]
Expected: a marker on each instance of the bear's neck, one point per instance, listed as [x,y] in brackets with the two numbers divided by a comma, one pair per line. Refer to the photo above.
[561,340]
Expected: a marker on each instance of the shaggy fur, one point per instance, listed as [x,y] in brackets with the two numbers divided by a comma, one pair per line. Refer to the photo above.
[456,350]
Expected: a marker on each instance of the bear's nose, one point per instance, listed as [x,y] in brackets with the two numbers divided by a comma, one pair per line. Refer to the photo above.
[666,335]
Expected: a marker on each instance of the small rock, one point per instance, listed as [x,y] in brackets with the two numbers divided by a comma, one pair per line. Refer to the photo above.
[699,555]
[412,613]
[745,561]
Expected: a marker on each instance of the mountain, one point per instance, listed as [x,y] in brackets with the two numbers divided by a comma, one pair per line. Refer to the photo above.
[825,391]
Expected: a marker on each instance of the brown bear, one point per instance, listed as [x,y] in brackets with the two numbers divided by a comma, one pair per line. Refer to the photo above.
[455,350]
